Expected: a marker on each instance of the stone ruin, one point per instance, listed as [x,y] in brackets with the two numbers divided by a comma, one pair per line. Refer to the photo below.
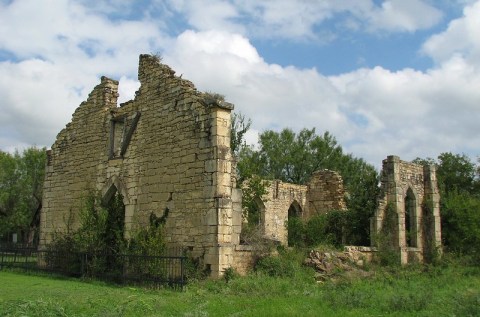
[323,193]
[410,191]
[167,152]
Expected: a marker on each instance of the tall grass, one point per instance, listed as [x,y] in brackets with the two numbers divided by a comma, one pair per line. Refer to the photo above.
[450,289]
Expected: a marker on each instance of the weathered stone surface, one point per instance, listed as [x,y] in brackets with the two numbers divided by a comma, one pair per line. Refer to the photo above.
[329,264]
[412,191]
[323,193]
[167,148]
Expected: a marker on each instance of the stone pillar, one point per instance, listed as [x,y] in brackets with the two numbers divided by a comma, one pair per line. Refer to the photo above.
[222,183]
[432,201]
[397,198]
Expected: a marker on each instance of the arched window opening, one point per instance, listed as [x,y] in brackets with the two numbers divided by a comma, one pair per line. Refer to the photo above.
[410,219]
[294,224]
[294,210]
[256,214]
[253,227]
[115,222]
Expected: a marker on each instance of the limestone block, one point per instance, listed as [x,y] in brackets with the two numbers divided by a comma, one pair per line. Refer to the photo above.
[212,217]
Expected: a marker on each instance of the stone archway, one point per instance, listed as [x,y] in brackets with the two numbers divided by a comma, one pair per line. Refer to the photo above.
[411,191]
[110,192]
[256,216]
[115,222]
[294,220]
[295,210]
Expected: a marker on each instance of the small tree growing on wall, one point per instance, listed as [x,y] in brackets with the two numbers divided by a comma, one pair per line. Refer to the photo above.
[388,252]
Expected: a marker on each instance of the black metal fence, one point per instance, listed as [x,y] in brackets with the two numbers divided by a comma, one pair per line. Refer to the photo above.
[152,270]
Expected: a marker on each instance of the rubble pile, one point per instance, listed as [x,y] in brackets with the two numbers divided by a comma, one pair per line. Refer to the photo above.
[331,264]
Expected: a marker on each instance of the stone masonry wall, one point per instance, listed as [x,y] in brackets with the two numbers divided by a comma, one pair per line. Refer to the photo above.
[277,202]
[167,151]
[324,192]
[399,179]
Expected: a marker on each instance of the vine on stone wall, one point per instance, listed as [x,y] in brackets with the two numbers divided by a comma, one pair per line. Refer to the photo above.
[388,253]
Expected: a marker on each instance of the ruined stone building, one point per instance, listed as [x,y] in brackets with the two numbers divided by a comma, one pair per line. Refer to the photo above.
[409,210]
[323,193]
[167,152]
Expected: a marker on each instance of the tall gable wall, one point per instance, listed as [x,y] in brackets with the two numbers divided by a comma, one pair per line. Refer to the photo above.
[167,151]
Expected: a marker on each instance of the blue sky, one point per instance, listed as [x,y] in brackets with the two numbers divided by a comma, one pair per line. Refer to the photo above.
[384,77]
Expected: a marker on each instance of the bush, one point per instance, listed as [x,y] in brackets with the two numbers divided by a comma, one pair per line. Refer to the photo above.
[296,232]
[461,224]
[254,237]
[275,266]
[229,274]
[388,253]
[148,241]
[63,255]
[100,240]
[287,264]
[331,228]
[193,270]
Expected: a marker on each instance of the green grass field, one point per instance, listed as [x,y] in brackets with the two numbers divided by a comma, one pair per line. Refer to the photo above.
[415,291]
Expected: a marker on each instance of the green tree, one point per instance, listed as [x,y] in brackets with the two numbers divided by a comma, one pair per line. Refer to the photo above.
[456,173]
[21,188]
[9,193]
[458,181]
[461,223]
[254,188]
[240,126]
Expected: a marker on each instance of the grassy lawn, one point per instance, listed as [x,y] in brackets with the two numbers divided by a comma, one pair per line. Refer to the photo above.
[438,291]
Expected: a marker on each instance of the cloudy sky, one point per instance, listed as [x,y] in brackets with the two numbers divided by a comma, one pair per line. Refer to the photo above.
[384,77]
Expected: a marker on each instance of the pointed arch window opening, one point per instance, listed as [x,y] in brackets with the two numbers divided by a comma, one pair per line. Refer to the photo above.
[113,203]
[410,219]
[294,210]
[121,132]
[257,217]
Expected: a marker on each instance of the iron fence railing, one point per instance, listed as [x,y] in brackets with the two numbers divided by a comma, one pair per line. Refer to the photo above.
[117,268]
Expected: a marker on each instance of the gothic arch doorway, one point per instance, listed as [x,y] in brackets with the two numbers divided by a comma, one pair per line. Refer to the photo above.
[294,222]
[115,219]
[295,210]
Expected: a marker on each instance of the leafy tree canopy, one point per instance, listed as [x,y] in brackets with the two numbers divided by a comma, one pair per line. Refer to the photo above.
[21,187]
[459,184]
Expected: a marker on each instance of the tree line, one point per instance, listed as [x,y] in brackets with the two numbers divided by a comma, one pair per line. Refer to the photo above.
[21,190]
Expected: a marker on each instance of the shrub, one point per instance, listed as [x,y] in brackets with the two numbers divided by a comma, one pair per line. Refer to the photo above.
[254,237]
[63,255]
[388,253]
[229,274]
[275,266]
[287,264]
[148,241]
[329,228]
[296,232]
[461,224]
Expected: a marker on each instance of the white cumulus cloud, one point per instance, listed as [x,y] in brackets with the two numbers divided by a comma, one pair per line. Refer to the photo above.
[461,39]
[58,57]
